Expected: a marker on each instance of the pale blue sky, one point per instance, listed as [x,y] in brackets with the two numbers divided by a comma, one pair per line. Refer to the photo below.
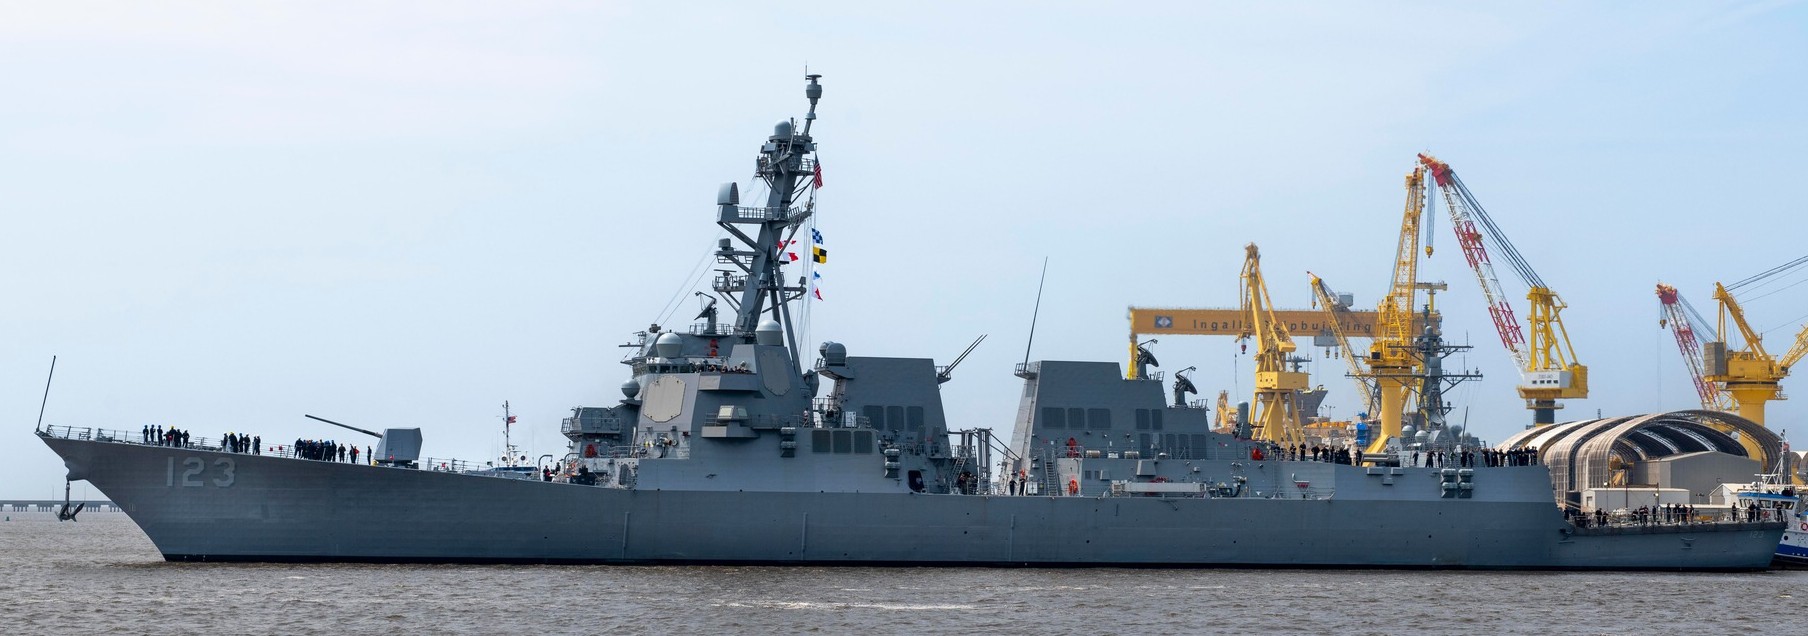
[223,216]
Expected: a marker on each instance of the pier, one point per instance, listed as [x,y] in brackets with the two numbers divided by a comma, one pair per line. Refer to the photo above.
[50,505]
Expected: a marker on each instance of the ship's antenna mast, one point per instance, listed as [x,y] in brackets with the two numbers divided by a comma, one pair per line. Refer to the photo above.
[814,92]
[508,447]
[1037,312]
[783,165]
[46,401]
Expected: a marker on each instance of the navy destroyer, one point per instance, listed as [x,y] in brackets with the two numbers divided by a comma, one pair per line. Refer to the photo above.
[731,444]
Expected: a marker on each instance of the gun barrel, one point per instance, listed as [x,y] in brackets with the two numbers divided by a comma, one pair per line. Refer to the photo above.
[322,419]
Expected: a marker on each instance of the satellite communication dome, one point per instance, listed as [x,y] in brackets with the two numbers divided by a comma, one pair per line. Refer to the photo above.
[668,345]
[834,353]
[630,388]
[769,333]
[782,128]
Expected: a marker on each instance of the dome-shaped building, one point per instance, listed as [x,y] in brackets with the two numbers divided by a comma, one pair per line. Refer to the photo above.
[1692,450]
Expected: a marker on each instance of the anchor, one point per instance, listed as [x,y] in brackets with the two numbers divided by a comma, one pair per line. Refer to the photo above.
[66,513]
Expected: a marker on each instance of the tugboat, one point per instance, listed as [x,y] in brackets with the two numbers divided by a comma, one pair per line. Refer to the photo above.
[729,446]
[1774,496]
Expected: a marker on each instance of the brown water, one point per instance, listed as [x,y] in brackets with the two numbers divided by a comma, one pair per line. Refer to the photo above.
[102,576]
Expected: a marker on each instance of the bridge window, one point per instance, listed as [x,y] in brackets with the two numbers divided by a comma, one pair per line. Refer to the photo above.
[1142,419]
[1054,418]
[894,418]
[1098,419]
[875,415]
[844,441]
[916,418]
[1076,418]
[863,442]
[819,440]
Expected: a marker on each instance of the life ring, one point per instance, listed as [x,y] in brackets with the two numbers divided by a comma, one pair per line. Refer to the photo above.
[590,450]
[1073,485]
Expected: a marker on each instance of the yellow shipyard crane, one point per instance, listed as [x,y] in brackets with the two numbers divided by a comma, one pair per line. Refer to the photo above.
[1227,416]
[1328,302]
[1750,374]
[1276,417]
[1547,363]
[1390,358]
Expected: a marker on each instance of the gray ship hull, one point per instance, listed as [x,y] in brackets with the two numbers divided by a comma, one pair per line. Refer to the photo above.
[200,505]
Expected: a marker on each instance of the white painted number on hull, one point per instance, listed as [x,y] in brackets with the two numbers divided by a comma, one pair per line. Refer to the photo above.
[225,468]
[193,467]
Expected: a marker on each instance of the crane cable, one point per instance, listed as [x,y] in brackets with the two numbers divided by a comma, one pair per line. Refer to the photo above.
[1768,273]
[1524,269]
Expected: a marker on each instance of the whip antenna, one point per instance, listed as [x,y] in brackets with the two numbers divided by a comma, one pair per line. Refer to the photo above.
[1037,312]
[46,401]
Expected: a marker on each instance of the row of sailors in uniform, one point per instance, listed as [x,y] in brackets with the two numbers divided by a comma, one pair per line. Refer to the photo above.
[328,451]
[1670,513]
[253,444]
[172,436]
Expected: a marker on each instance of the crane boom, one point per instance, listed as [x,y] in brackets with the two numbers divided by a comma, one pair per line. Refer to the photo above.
[1365,383]
[1462,220]
[1394,316]
[1684,323]
[1796,351]
[1729,306]
[1547,362]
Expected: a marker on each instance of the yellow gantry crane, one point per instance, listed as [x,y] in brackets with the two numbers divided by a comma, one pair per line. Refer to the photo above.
[1276,417]
[1390,358]
[1750,374]
[1328,302]
[1547,364]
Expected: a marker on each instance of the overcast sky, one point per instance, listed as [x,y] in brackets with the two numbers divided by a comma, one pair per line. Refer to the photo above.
[222,216]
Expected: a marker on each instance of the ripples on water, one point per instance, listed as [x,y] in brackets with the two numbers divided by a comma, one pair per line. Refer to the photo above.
[102,575]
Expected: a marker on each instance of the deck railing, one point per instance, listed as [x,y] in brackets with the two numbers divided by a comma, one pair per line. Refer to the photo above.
[284,451]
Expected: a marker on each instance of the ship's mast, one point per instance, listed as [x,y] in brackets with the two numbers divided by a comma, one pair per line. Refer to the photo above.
[784,166]
[508,447]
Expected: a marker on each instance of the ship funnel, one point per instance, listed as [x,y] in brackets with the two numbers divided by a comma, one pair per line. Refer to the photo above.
[769,333]
[669,345]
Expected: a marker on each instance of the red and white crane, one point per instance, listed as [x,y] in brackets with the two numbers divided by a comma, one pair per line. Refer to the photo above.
[1684,322]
